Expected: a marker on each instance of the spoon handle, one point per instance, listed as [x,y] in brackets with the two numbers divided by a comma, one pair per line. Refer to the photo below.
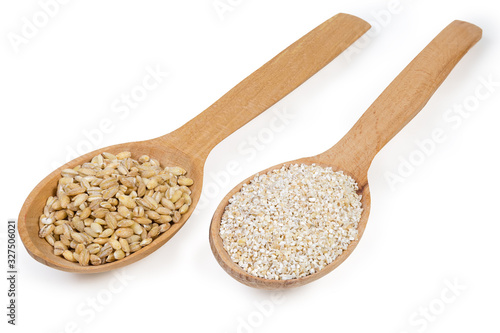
[267,85]
[402,99]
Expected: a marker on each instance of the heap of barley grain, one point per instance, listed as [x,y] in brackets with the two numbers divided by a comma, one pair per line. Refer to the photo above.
[113,206]
[291,222]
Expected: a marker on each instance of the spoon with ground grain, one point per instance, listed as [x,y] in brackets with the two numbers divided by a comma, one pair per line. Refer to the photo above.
[353,154]
[189,146]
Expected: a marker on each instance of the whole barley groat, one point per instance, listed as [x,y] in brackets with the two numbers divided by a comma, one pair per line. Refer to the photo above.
[112,206]
[291,222]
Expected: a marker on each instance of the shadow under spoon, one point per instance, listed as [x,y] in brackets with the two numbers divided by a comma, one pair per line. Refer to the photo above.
[353,154]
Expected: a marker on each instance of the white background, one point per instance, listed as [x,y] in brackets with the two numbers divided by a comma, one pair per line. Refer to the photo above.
[436,226]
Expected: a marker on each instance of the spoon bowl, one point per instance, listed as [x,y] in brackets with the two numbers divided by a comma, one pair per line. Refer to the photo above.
[241,275]
[32,208]
[394,108]
[189,146]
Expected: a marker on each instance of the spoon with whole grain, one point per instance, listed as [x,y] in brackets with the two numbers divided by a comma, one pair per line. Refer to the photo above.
[189,146]
[353,154]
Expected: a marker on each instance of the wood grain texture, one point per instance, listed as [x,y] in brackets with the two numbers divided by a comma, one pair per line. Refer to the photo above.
[190,145]
[392,110]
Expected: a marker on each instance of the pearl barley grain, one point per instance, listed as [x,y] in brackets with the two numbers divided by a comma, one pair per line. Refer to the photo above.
[99,207]
[291,222]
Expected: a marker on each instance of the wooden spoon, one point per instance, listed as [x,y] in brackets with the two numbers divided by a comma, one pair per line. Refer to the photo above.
[353,154]
[190,145]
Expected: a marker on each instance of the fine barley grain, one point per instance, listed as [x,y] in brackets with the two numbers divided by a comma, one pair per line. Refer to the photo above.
[291,222]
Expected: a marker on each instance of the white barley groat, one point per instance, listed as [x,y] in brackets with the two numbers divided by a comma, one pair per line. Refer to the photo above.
[291,222]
